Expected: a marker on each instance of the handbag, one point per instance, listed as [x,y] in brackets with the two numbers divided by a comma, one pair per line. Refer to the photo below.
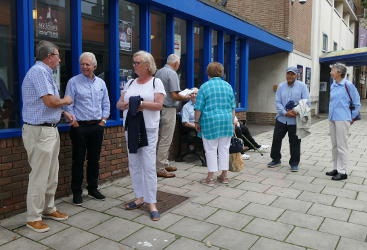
[236,163]
[236,145]
[351,106]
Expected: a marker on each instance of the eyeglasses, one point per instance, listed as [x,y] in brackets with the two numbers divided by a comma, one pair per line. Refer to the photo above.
[136,63]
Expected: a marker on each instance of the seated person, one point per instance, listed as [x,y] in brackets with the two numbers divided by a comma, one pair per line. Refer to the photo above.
[188,112]
[243,132]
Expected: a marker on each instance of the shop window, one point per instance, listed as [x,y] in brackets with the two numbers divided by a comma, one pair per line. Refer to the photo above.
[52,23]
[158,38]
[199,69]
[180,49]
[128,38]
[9,85]
[214,51]
[237,85]
[324,43]
[95,35]
[227,57]
[335,47]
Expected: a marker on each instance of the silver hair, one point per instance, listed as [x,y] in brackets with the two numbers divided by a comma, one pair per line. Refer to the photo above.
[341,68]
[172,58]
[147,59]
[90,55]
[44,49]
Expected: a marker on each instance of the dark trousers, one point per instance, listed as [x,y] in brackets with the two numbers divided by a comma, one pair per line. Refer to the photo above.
[86,143]
[242,132]
[294,143]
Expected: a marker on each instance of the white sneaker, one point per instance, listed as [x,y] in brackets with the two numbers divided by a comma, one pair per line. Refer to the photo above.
[245,157]
[263,148]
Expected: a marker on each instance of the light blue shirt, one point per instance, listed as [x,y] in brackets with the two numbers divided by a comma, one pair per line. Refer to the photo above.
[188,112]
[216,102]
[37,83]
[285,93]
[91,101]
[340,101]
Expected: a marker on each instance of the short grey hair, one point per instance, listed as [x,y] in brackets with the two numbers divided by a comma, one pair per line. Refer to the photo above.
[172,58]
[90,55]
[341,68]
[147,59]
[44,49]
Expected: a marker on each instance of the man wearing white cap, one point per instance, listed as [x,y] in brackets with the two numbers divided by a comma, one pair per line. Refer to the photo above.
[286,98]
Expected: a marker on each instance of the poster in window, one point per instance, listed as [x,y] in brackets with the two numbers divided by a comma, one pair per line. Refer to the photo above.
[125,35]
[308,77]
[47,22]
[178,45]
[300,72]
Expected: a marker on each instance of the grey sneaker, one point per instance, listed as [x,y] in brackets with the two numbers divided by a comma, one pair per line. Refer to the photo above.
[294,168]
[274,164]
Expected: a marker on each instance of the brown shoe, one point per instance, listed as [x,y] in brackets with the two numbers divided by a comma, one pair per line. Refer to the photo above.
[171,168]
[163,173]
[38,226]
[56,216]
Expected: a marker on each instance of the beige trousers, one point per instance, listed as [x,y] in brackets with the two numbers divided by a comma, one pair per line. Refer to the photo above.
[167,126]
[339,132]
[42,145]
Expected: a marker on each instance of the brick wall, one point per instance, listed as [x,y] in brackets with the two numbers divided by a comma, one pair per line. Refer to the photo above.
[14,168]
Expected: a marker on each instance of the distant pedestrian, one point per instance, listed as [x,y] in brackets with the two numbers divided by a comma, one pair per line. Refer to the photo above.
[91,109]
[41,114]
[343,109]
[288,94]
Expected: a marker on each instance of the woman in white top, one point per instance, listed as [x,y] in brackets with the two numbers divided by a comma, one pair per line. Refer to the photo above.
[142,164]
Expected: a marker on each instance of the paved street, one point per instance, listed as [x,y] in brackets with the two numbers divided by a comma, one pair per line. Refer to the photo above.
[261,208]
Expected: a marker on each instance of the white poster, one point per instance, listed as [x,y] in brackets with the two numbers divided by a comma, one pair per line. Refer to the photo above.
[177,45]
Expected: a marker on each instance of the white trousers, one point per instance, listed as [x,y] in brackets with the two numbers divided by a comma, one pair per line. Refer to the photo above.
[167,126]
[339,132]
[217,153]
[42,145]
[142,168]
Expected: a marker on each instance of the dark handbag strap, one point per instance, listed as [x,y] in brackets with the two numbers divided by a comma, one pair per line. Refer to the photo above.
[346,88]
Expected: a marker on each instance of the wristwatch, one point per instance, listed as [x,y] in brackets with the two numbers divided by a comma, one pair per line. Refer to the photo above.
[104,121]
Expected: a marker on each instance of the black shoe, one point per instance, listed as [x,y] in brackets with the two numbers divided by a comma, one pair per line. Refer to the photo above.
[77,199]
[96,194]
[273,164]
[332,173]
[339,177]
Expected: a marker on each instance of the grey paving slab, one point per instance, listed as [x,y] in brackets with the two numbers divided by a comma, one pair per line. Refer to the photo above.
[114,191]
[256,187]
[330,212]
[14,221]
[194,210]
[230,219]
[67,207]
[292,204]
[355,187]
[346,229]
[71,238]
[227,192]
[23,243]
[351,204]
[202,198]
[125,214]
[317,198]
[149,238]
[340,192]
[193,229]
[87,219]
[299,178]
[185,243]
[284,192]
[349,244]
[316,188]
[101,205]
[301,220]
[250,177]
[167,219]
[362,196]
[105,244]
[278,182]
[232,239]
[7,235]
[272,173]
[263,211]
[264,243]
[312,239]
[358,218]
[328,182]
[259,198]
[267,228]
[116,229]
[55,227]
[230,204]
[174,190]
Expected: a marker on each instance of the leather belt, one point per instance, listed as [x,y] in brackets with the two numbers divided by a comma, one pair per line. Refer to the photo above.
[165,106]
[44,124]
[90,122]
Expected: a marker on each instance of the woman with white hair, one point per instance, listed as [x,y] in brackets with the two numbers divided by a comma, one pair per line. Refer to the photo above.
[343,110]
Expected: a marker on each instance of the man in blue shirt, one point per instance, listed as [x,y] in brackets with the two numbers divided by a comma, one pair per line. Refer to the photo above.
[41,113]
[286,98]
[91,110]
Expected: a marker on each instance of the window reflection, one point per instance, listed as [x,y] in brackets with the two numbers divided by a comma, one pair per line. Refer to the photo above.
[199,70]
[180,49]
[158,38]
[227,57]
